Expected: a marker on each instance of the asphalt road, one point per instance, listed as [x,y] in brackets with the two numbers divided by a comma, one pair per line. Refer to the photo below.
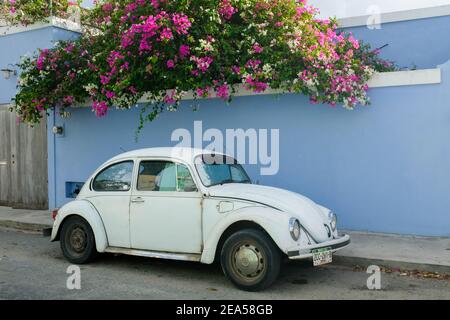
[31,267]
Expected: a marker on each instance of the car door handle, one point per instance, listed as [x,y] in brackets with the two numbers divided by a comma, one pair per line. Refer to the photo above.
[137,200]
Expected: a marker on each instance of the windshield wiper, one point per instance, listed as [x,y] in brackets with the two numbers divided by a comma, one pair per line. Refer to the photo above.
[230,181]
[223,182]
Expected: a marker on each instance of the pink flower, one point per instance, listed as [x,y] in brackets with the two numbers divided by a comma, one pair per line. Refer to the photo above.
[257,48]
[170,64]
[226,9]
[130,7]
[107,7]
[69,48]
[257,86]
[202,63]
[222,92]
[166,34]
[40,62]
[184,51]
[100,108]
[203,92]
[354,42]
[169,98]
[181,23]
[253,64]
[133,90]
[68,100]
[104,79]
[200,92]
[236,69]
[110,94]
[113,57]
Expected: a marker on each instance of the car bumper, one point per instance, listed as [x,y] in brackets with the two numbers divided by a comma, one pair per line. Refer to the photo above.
[306,252]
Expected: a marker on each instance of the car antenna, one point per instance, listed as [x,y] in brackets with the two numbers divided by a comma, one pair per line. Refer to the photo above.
[123,149]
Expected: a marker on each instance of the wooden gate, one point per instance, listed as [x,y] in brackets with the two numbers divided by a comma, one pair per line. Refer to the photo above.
[23,163]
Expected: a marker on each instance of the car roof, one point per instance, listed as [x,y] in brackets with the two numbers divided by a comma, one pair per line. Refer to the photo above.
[185,154]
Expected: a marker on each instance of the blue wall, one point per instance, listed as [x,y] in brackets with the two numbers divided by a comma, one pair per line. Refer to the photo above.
[14,46]
[423,42]
[382,168]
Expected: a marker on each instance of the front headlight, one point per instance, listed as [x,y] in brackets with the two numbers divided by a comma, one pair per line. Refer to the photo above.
[294,228]
[333,220]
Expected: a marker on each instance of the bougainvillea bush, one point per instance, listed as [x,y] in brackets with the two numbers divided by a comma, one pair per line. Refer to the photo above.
[161,50]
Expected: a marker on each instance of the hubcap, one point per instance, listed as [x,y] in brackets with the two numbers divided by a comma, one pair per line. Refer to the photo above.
[78,239]
[248,261]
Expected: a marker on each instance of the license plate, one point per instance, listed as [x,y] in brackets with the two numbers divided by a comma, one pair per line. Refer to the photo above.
[322,256]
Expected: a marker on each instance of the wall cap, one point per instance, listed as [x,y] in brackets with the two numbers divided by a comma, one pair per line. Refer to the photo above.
[397,16]
[53,22]
[379,80]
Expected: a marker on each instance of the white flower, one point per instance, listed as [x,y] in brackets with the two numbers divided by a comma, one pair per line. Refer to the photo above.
[89,87]
[267,68]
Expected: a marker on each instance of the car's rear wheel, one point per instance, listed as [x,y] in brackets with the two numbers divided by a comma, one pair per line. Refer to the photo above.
[77,240]
[250,260]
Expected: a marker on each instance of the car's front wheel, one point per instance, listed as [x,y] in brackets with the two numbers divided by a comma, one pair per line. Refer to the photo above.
[250,260]
[77,240]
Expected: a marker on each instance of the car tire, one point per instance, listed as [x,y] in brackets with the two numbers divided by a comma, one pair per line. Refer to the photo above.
[77,240]
[250,260]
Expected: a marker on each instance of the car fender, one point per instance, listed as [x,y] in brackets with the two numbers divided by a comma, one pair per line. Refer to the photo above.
[85,209]
[274,222]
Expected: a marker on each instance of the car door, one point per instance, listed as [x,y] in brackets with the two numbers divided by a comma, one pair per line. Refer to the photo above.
[111,193]
[165,209]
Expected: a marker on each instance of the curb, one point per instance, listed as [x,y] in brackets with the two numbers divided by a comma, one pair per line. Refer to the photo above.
[24,226]
[392,264]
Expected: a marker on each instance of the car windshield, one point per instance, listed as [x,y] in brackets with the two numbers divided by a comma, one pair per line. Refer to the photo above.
[219,169]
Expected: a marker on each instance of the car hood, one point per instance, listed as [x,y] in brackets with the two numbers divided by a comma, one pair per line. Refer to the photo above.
[312,216]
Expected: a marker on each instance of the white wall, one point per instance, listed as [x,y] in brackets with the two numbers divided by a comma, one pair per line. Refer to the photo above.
[352,8]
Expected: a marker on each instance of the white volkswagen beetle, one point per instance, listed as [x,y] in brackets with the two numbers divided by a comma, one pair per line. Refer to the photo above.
[190,204]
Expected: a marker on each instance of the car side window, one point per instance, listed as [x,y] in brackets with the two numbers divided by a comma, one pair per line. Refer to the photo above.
[164,176]
[116,177]
[157,176]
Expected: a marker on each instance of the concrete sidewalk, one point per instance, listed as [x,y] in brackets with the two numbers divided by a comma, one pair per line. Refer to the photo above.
[430,254]
[388,250]
[26,220]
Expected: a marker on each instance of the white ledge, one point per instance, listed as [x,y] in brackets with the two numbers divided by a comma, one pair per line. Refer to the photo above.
[406,78]
[397,16]
[52,22]
[379,80]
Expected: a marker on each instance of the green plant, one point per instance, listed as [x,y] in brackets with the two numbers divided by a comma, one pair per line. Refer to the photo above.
[162,49]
